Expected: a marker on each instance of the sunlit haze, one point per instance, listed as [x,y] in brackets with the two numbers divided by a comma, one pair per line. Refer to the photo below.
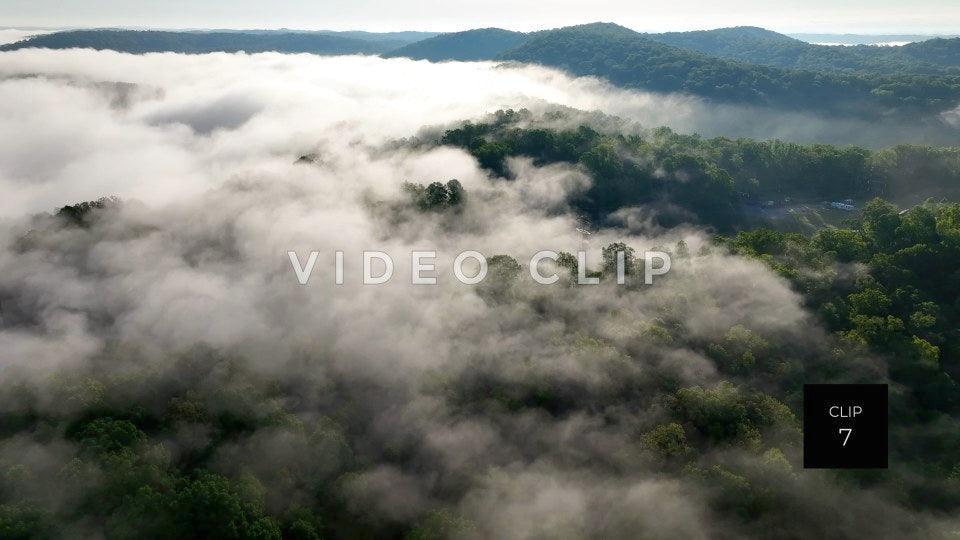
[863,16]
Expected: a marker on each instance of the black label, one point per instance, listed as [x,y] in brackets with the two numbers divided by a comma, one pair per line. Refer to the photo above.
[845,426]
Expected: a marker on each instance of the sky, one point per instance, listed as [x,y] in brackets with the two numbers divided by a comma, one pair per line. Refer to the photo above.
[854,16]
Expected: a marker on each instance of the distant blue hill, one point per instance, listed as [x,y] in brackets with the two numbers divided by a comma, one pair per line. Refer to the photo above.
[197,42]
[480,44]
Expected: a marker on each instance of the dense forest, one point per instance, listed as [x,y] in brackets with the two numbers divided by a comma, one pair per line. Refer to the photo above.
[708,181]
[759,46]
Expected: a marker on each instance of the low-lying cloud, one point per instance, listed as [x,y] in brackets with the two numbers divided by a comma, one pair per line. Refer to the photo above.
[189,122]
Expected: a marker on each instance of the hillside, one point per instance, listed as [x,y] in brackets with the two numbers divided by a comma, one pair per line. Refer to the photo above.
[145,41]
[719,38]
[938,51]
[764,47]
[627,58]
[480,44]
[726,179]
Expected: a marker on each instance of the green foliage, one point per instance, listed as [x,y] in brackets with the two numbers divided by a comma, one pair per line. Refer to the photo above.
[717,181]
[107,436]
[903,306]
[211,507]
[502,274]
[870,302]
[208,506]
[83,213]
[740,350]
[24,522]
[880,221]
[759,46]
[302,524]
[609,253]
[441,525]
[436,196]
[725,413]
[503,268]
[666,441]
[844,245]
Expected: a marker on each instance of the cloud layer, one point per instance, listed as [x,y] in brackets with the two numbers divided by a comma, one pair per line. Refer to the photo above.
[188,123]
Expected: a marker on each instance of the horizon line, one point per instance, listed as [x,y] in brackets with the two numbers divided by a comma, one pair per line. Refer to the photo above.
[238,28]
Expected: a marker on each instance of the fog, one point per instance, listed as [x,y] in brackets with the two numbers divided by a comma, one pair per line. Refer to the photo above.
[12,35]
[203,119]
[202,149]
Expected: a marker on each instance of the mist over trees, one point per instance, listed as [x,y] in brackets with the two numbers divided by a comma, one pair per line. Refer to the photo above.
[164,375]
[674,397]
[707,181]
[146,41]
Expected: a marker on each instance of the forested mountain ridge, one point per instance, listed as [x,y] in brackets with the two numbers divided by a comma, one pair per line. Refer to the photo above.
[147,41]
[627,58]
[834,81]
[480,44]
[764,47]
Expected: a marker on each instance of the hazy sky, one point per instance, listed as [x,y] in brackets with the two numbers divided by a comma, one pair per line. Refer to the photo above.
[864,16]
